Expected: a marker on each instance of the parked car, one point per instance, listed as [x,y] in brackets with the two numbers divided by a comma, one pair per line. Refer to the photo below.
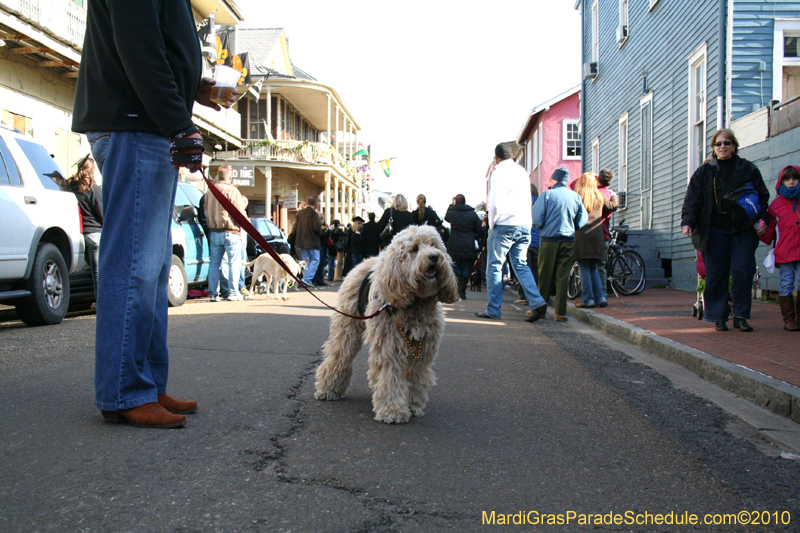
[40,231]
[272,234]
[190,254]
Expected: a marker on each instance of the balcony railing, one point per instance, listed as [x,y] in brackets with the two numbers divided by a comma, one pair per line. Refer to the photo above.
[295,152]
[64,19]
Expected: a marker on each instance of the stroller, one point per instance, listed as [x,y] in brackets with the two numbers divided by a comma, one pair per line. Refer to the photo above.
[698,308]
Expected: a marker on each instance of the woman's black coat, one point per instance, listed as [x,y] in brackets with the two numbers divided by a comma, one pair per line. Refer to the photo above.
[465,228]
[400,221]
[698,204]
[429,218]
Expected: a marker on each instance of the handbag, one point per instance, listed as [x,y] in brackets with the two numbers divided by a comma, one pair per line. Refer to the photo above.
[388,229]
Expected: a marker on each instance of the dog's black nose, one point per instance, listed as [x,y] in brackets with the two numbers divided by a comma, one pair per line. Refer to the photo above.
[433,258]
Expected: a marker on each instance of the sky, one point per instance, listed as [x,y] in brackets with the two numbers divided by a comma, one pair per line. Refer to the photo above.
[434,84]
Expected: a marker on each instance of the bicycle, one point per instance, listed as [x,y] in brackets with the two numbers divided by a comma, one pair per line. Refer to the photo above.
[624,267]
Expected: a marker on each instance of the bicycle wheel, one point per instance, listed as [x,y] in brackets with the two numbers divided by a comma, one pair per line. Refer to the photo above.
[574,287]
[627,273]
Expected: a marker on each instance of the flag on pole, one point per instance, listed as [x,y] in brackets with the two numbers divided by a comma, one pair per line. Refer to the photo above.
[363,151]
[385,167]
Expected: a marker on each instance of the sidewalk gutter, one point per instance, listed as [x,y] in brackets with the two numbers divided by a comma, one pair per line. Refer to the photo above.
[767,392]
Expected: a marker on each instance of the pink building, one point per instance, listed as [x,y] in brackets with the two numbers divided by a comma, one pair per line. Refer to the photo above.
[551,138]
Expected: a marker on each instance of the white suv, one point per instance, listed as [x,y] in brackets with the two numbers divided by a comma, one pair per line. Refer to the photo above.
[40,231]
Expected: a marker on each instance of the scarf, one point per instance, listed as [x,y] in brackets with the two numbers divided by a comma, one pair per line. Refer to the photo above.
[790,193]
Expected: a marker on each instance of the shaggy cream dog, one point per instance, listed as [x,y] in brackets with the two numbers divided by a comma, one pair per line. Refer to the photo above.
[413,275]
[265,264]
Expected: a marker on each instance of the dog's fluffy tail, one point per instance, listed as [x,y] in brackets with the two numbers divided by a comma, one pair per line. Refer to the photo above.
[248,263]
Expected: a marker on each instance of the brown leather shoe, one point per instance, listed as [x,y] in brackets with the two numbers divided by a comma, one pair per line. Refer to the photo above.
[561,318]
[149,415]
[178,407]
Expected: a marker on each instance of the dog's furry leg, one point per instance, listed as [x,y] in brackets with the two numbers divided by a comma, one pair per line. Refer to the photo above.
[420,378]
[390,388]
[389,392]
[333,375]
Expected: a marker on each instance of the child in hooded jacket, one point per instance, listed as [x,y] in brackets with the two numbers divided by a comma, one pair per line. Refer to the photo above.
[784,227]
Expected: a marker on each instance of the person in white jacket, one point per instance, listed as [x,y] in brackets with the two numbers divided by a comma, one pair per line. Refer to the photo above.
[509,210]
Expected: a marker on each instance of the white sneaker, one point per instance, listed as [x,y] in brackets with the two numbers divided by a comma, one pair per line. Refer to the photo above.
[234,298]
[214,299]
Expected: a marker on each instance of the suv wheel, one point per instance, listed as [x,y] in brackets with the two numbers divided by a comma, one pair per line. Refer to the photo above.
[49,287]
[178,285]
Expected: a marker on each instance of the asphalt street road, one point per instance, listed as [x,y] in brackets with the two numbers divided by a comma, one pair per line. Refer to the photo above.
[544,418]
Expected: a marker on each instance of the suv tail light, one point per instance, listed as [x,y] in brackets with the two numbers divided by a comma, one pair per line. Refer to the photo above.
[80,217]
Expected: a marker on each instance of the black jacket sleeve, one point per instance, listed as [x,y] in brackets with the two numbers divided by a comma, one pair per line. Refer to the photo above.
[693,201]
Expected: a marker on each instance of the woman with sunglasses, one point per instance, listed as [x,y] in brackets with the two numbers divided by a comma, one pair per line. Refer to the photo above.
[718,229]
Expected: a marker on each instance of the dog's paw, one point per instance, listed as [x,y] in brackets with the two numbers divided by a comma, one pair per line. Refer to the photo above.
[417,411]
[285,298]
[393,416]
[326,396]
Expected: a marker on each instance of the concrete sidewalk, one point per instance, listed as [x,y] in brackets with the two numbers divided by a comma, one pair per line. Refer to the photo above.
[762,366]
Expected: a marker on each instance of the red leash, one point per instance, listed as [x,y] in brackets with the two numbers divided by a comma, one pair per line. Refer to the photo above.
[241,219]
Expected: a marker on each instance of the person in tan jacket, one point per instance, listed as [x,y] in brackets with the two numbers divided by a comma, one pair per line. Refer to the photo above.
[224,238]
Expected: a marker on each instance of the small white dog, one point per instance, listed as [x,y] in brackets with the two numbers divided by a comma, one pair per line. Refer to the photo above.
[412,275]
[265,264]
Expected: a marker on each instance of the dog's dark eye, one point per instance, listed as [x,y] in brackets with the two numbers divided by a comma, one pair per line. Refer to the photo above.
[415,249]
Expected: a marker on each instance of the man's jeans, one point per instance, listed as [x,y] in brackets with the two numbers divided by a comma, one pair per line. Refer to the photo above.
[512,241]
[229,244]
[727,255]
[139,183]
[592,290]
[331,264]
[313,262]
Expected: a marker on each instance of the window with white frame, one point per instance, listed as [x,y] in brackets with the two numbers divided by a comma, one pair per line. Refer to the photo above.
[572,140]
[595,156]
[595,32]
[622,165]
[529,156]
[622,28]
[697,108]
[535,143]
[541,145]
[786,59]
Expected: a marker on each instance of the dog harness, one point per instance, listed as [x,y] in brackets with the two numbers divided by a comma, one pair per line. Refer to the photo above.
[363,301]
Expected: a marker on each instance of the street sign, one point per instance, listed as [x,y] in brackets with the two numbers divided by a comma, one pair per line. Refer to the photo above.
[290,199]
[243,175]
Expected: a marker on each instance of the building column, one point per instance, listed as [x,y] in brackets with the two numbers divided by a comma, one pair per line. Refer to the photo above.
[268,192]
[336,132]
[344,136]
[350,144]
[327,198]
[278,129]
[352,203]
[336,213]
[328,133]
[269,114]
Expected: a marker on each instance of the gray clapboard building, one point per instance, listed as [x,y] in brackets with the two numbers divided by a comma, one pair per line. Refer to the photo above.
[659,78]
